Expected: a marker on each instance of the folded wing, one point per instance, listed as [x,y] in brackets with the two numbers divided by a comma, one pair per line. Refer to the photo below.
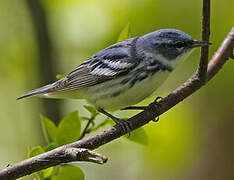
[109,63]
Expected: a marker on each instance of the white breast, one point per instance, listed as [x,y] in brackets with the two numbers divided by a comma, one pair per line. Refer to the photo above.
[112,95]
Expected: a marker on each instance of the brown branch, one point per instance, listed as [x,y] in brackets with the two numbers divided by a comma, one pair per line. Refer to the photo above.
[194,83]
[79,154]
[224,52]
[202,69]
[63,155]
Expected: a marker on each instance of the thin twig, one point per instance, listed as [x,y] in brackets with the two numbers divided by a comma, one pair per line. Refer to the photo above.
[202,69]
[85,130]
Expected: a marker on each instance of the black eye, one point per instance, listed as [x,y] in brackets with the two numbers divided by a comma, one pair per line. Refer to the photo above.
[180,44]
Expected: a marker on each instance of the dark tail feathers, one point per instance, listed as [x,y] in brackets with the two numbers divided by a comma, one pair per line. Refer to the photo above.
[42,90]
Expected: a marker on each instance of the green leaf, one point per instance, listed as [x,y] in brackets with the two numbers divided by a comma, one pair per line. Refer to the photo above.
[49,129]
[69,172]
[35,151]
[60,76]
[139,136]
[69,129]
[125,33]
[92,110]
[50,146]
[45,173]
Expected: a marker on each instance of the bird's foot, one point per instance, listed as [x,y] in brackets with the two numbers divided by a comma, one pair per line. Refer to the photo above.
[155,119]
[124,124]
[157,103]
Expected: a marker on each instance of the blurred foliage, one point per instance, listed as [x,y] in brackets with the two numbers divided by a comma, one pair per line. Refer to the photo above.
[67,131]
[191,141]
[69,172]
[49,129]
[125,33]
[60,76]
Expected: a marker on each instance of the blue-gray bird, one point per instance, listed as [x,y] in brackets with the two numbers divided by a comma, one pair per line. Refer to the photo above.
[124,73]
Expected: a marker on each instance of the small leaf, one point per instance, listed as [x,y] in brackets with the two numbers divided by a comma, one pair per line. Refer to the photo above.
[51,146]
[125,33]
[69,129]
[139,136]
[92,110]
[60,76]
[35,151]
[45,173]
[49,129]
[69,172]
[110,121]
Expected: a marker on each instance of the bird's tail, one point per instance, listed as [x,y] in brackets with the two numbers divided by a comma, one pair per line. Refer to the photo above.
[43,90]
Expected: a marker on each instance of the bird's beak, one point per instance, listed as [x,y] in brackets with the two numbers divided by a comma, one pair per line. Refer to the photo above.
[197,43]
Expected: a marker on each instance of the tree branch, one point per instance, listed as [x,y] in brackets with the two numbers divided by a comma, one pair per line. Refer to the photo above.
[202,69]
[92,142]
[63,155]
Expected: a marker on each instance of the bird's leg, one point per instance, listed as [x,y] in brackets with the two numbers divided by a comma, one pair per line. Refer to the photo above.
[156,101]
[123,123]
[135,108]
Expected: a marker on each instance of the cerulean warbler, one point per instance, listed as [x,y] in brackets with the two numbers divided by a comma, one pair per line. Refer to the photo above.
[124,73]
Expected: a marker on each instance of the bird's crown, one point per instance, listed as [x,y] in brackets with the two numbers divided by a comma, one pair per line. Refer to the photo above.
[170,43]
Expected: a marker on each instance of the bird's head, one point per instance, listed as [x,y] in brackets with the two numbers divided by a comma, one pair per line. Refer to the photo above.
[170,44]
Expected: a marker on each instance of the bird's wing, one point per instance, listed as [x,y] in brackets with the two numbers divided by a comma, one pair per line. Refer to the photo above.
[109,63]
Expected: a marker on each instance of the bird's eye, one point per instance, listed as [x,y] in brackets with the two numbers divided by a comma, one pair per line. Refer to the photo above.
[179,44]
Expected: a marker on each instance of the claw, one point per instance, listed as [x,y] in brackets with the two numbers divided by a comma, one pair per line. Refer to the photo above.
[156,119]
[157,101]
[123,123]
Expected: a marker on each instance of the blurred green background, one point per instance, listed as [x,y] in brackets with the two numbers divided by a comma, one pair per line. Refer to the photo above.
[38,40]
